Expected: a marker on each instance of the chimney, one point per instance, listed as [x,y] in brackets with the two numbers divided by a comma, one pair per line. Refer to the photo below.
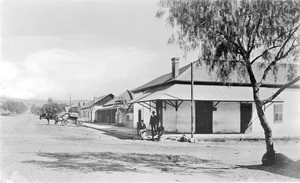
[175,67]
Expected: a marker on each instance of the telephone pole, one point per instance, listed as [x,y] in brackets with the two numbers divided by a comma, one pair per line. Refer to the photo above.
[192,101]
[70,100]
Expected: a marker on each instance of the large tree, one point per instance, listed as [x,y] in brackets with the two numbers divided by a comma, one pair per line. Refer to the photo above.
[238,34]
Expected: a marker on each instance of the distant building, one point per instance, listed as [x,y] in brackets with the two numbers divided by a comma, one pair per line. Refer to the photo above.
[89,110]
[118,110]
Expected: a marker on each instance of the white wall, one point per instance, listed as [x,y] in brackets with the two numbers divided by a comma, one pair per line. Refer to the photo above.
[227,118]
[173,121]
[146,113]
[291,115]
[178,121]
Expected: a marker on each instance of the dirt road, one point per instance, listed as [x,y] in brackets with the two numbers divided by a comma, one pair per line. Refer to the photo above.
[32,151]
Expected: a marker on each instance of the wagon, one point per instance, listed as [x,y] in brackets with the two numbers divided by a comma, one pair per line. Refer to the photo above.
[70,117]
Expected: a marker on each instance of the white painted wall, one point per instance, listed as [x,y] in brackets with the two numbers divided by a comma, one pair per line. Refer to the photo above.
[178,121]
[291,115]
[146,113]
[227,117]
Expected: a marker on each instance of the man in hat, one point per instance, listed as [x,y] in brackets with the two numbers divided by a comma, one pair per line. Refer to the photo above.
[153,123]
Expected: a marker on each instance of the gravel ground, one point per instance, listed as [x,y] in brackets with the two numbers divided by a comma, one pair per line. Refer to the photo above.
[32,151]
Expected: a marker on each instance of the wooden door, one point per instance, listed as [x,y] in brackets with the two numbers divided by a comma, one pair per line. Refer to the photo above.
[246,115]
[204,116]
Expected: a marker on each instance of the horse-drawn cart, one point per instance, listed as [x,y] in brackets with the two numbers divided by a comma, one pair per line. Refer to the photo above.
[70,117]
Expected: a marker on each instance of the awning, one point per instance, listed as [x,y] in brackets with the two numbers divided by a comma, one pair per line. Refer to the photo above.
[106,108]
[205,93]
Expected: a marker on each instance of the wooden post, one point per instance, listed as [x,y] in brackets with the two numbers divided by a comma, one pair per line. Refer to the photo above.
[192,101]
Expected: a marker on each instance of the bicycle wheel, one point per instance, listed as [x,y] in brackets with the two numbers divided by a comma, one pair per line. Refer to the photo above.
[143,135]
[64,122]
[79,123]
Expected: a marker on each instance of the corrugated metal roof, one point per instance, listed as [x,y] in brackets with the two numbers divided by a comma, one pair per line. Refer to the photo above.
[106,108]
[206,93]
[202,73]
[125,96]
[93,102]
[160,80]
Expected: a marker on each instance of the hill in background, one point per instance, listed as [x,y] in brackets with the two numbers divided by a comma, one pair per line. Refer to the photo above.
[30,102]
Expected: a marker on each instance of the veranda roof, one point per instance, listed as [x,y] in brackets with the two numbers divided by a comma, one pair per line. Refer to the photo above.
[205,93]
[102,108]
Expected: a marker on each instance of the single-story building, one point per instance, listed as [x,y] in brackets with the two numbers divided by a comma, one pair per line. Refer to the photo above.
[119,110]
[90,110]
[217,107]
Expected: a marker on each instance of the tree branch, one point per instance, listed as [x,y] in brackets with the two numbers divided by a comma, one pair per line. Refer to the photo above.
[280,55]
[281,50]
[283,33]
[251,75]
[273,47]
[248,33]
[274,62]
[255,32]
[280,90]
[239,48]
[266,71]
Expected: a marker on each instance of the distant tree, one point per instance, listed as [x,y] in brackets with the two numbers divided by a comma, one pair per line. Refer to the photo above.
[74,109]
[35,110]
[233,35]
[50,101]
[63,107]
[14,107]
[53,108]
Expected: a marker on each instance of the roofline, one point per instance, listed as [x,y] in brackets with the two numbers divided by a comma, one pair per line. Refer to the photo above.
[94,103]
[205,100]
[296,86]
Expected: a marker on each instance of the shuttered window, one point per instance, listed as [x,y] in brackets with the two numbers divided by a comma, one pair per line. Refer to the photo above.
[278,113]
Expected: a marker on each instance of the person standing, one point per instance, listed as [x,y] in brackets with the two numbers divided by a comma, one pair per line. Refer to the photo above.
[153,122]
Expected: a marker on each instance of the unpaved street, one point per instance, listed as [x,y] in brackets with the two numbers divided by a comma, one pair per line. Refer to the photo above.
[32,151]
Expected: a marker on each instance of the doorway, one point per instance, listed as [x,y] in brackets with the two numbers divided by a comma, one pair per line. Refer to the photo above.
[204,117]
[246,115]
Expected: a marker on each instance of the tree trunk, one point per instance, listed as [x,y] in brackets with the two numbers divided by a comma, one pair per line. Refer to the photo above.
[269,157]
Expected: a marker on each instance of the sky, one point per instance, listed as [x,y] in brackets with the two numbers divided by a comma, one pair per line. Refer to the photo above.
[86,48]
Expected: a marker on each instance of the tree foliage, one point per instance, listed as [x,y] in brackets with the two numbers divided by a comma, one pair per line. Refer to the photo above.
[52,108]
[50,101]
[74,109]
[14,107]
[237,35]
[36,110]
[233,32]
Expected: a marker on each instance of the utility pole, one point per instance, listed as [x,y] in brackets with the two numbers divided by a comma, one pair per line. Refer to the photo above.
[192,101]
[70,100]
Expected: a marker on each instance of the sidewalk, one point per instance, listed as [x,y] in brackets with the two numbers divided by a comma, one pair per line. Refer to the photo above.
[120,132]
[129,133]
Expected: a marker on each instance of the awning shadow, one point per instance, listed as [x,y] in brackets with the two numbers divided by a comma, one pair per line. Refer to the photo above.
[116,133]
[284,166]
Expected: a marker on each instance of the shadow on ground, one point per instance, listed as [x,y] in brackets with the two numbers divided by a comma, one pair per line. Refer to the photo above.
[284,166]
[127,162]
[117,134]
